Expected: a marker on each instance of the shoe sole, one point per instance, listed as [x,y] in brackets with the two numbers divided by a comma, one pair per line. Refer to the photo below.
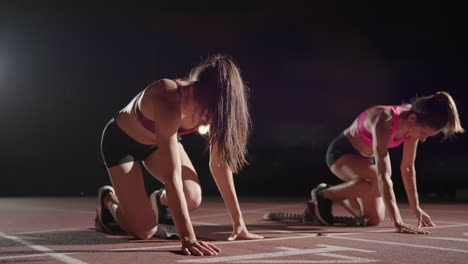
[102,190]
[153,199]
[163,230]
[316,207]
[154,204]
[166,231]
[98,221]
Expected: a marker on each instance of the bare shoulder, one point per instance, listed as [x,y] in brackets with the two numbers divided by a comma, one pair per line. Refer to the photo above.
[161,87]
[381,116]
[407,105]
[166,106]
[163,93]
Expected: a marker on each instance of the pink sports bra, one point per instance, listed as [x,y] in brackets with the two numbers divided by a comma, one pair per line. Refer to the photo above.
[366,136]
[149,124]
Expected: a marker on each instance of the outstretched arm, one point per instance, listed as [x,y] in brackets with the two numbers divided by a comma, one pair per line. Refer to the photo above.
[168,117]
[225,182]
[381,136]
[380,123]
[408,173]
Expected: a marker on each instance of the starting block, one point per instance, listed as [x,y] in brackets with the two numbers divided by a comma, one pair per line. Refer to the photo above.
[308,217]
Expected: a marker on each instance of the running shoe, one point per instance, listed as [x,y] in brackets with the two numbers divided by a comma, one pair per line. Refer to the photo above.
[104,221]
[323,206]
[166,227]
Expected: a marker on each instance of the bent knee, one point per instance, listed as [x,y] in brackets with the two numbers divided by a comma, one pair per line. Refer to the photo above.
[375,220]
[194,201]
[144,234]
[143,227]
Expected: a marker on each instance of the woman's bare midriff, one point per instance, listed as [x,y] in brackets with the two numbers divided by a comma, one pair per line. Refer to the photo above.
[131,126]
[355,139]
[128,121]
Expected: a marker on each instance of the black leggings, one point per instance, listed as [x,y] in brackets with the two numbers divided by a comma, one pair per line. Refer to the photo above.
[341,146]
[118,148]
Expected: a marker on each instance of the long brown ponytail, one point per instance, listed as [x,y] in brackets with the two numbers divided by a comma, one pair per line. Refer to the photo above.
[220,90]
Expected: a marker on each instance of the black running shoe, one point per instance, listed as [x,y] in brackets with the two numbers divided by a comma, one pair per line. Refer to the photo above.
[166,227]
[104,221]
[351,221]
[323,208]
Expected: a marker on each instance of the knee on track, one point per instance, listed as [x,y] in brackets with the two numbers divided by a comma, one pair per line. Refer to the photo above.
[194,201]
[144,234]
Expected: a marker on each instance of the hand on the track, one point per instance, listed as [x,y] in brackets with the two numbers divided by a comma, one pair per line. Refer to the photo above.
[423,218]
[410,229]
[240,231]
[199,248]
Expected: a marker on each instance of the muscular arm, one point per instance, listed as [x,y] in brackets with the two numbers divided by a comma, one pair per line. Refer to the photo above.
[380,122]
[408,172]
[223,177]
[225,182]
[167,116]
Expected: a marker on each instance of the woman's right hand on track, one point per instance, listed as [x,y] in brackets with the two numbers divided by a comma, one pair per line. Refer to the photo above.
[410,229]
[199,248]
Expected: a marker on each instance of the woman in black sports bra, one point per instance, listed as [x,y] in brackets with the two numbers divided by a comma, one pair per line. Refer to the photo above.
[146,133]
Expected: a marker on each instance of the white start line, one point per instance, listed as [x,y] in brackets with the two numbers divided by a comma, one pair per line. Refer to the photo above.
[322,250]
[44,250]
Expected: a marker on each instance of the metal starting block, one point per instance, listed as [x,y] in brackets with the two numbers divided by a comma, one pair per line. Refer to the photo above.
[308,217]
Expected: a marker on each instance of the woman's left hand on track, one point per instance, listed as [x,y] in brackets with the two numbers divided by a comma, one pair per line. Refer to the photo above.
[240,231]
[423,218]
[410,229]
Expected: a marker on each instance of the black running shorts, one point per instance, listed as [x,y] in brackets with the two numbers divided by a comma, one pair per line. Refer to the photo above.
[341,146]
[118,148]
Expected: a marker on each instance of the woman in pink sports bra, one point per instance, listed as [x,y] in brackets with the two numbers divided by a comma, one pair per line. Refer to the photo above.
[146,133]
[359,157]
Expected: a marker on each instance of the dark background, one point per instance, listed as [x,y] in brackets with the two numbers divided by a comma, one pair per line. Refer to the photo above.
[65,69]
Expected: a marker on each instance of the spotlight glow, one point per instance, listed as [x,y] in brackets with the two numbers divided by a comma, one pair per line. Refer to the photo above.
[204,129]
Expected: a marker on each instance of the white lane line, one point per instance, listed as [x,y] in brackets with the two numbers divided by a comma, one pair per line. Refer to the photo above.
[455,211]
[262,210]
[415,222]
[217,243]
[341,259]
[286,248]
[289,252]
[297,236]
[255,229]
[390,230]
[447,226]
[23,256]
[447,222]
[347,258]
[47,251]
[400,244]
[52,230]
[204,223]
[447,238]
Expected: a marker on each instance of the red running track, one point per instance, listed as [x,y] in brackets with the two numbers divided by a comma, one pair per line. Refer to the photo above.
[60,230]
